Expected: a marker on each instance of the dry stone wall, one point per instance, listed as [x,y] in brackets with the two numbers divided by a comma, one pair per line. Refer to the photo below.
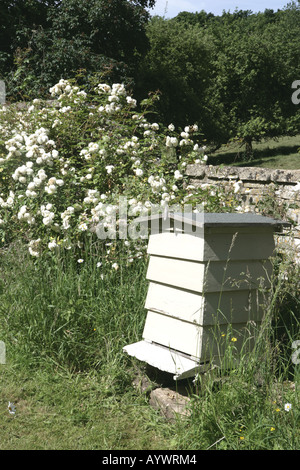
[258,186]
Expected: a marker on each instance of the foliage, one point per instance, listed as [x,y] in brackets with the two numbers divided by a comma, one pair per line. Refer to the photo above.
[68,161]
[179,64]
[255,73]
[51,40]
[232,73]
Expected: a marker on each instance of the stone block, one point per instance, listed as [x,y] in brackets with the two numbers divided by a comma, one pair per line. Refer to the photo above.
[170,403]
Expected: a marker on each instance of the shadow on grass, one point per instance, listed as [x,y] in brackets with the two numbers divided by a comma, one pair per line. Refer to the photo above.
[259,156]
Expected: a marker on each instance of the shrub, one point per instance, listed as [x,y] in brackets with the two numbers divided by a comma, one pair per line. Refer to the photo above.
[66,162]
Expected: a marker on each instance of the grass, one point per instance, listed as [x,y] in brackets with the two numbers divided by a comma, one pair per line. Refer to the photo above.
[64,325]
[282,153]
[60,411]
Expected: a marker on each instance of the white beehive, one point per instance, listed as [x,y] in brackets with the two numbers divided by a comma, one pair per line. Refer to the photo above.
[205,276]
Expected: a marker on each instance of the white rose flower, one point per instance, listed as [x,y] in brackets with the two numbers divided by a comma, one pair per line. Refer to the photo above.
[177,175]
[109,169]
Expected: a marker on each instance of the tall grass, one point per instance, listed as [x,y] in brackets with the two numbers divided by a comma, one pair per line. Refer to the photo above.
[246,406]
[78,316]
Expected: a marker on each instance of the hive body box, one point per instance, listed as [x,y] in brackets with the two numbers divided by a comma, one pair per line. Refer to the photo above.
[205,272]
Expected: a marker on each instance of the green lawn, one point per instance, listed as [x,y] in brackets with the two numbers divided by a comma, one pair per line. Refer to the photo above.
[60,411]
[281,153]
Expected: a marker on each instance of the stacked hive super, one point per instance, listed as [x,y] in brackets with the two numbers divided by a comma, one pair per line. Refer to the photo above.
[207,274]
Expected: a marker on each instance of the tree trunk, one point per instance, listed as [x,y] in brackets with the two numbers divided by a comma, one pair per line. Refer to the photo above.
[249,149]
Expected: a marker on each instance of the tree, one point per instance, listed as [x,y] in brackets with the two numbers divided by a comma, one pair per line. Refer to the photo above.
[114,28]
[179,65]
[254,67]
[16,18]
[200,18]
[70,34]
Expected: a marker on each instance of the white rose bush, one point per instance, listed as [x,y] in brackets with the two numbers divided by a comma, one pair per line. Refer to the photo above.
[66,162]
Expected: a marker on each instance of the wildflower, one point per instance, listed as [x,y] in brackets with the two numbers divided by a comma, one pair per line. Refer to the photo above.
[48,218]
[237,186]
[177,175]
[11,408]
[33,247]
[93,147]
[109,168]
[52,245]
[83,226]
[233,339]
[80,260]
[272,429]
[30,193]
[165,197]
[66,225]
[115,266]
[99,264]
[185,134]
[287,407]
[171,141]
[104,88]
[138,172]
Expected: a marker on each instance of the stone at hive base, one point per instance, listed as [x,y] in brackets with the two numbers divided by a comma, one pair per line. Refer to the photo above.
[169,402]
